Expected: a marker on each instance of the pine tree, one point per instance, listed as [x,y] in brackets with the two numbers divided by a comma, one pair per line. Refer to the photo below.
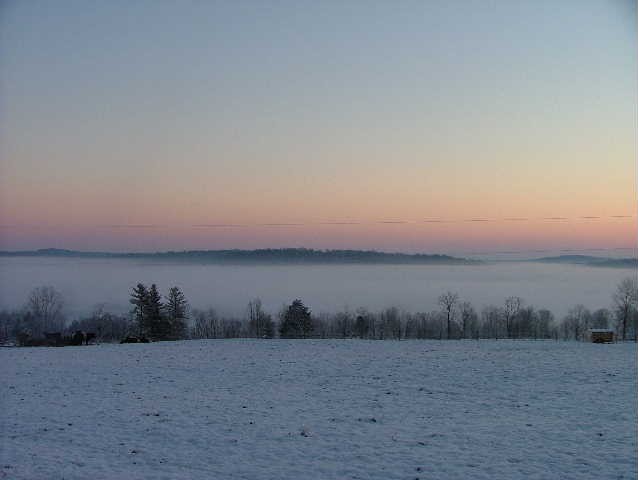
[176,309]
[296,321]
[157,321]
[139,299]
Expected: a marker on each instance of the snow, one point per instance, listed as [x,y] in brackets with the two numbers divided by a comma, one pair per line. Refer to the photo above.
[261,409]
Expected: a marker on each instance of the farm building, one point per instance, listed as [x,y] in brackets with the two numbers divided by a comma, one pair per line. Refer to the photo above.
[601,335]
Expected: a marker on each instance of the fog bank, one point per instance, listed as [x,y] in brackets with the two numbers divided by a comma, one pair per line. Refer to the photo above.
[87,282]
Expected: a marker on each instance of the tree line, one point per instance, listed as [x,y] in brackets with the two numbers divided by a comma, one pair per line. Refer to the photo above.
[169,317]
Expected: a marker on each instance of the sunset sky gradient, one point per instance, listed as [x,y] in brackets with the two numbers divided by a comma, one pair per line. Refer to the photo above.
[145,125]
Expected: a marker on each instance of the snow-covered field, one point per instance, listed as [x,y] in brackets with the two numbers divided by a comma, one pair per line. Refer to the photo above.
[258,409]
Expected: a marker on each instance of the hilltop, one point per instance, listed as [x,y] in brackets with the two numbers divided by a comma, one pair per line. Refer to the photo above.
[280,255]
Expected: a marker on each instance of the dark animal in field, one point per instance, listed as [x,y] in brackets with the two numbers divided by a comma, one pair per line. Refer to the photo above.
[78,338]
[23,339]
[131,339]
[53,339]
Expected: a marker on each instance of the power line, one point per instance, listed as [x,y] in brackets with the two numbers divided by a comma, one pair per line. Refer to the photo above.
[434,221]
[553,219]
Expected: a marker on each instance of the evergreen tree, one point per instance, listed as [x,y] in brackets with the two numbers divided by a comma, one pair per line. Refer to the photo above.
[139,299]
[159,328]
[296,321]
[176,309]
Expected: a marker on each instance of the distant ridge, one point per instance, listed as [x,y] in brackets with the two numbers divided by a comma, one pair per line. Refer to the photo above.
[280,255]
[589,261]
[311,256]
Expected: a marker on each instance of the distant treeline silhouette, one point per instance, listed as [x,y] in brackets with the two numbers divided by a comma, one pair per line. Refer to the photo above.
[267,255]
[155,317]
[330,257]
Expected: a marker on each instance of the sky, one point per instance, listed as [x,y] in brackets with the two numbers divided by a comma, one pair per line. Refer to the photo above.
[157,125]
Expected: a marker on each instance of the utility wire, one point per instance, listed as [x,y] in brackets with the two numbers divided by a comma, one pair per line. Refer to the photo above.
[435,220]
[554,219]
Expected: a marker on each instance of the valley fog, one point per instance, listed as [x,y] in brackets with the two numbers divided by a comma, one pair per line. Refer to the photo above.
[85,283]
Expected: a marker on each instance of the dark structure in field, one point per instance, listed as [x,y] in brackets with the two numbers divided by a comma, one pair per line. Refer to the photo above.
[601,335]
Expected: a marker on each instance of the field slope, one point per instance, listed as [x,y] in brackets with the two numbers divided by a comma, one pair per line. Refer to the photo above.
[252,409]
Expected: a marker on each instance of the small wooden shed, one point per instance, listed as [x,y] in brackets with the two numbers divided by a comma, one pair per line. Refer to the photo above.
[601,335]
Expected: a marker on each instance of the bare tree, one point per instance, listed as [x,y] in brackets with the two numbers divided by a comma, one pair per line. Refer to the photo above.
[625,299]
[511,309]
[260,324]
[344,324]
[576,323]
[206,324]
[524,323]
[448,302]
[491,319]
[545,324]
[468,318]
[45,304]
[391,323]
[600,318]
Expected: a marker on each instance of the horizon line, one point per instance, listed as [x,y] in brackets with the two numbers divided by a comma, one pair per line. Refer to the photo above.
[563,249]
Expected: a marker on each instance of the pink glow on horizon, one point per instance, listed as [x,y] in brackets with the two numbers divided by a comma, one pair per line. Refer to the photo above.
[425,237]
